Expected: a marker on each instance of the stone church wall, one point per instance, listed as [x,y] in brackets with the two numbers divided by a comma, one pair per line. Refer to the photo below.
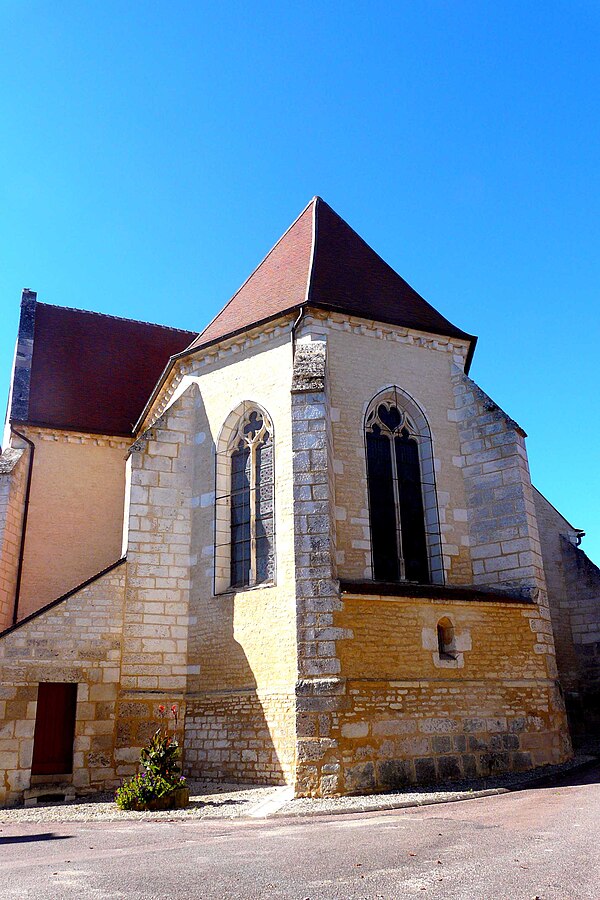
[77,640]
[583,583]
[411,716]
[574,595]
[241,654]
[504,539]
[364,359]
[363,663]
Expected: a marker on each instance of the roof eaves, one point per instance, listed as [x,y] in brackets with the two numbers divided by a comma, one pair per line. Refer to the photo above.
[78,429]
[196,348]
[286,312]
[460,335]
[470,353]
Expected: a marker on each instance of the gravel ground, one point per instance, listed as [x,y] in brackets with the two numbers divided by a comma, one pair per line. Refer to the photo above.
[207,800]
[212,800]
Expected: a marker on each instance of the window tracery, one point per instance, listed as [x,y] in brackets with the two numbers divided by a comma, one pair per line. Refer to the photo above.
[405,538]
[245,551]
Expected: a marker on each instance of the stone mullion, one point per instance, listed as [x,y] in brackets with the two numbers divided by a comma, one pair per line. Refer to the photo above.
[253,487]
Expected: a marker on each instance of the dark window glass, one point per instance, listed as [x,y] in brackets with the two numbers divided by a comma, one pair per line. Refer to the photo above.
[252,506]
[240,516]
[398,536]
[382,506]
[412,518]
[445,634]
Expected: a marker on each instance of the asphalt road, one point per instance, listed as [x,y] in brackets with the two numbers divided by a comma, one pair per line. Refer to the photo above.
[537,843]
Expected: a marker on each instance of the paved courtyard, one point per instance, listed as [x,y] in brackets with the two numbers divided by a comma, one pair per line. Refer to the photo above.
[540,842]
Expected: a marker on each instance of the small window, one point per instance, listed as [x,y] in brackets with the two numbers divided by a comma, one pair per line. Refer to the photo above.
[446,641]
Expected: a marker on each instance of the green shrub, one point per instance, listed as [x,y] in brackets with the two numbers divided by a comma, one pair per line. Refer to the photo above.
[161,775]
[159,757]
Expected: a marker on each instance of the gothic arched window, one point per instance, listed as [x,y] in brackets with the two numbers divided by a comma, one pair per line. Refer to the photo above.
[245,545]
[405,541]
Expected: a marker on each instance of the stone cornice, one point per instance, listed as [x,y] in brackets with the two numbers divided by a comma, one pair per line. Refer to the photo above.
[34,432]
[193,362]
[207,356]
[355,325]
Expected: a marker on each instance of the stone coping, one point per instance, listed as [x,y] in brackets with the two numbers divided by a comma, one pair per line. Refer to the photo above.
[53,603]
[432,592]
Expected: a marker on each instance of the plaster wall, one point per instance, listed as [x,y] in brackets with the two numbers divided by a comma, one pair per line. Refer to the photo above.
[74,525]
[13,480]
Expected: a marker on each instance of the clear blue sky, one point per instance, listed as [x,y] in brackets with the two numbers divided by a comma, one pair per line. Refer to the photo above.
[151,153]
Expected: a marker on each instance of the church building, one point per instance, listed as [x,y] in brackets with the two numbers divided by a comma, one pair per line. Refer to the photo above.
[305,527]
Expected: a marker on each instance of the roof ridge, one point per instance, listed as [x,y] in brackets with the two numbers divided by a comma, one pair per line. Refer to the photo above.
[90,312]
[313,247]
[261,263]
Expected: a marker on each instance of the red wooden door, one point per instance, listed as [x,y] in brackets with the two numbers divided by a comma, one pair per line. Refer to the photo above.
[54,729]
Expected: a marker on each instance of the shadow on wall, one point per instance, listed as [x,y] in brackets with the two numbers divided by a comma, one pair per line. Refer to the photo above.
[233,731]
[582,578]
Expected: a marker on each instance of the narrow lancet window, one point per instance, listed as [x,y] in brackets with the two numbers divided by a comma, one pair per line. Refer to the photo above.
[399,539]
[245,502]
[446,642]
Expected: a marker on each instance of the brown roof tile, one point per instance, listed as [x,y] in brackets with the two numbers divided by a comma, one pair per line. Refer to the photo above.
[279,283]
[320,261]
[93,373]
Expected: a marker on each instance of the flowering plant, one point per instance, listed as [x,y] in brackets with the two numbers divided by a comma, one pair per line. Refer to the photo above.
[161,776]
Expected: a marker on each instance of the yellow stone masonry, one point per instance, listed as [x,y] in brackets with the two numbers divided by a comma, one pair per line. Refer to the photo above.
[301,681]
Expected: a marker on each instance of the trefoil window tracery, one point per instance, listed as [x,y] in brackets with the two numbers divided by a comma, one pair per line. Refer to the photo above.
[405,538]
[245,551]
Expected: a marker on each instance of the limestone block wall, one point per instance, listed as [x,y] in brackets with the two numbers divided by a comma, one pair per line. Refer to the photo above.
[157,604]
[154,659]
[505,545]
[79,640]
[551,526]
[363,359]
[241,651]
[74,525]
[583,586]
[13,479]
[245,736]
[574,598]
[409,715]
[319,688]
[503,527]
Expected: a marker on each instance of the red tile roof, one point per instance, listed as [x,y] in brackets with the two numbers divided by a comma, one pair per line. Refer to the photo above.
[320,261]
[93,373]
